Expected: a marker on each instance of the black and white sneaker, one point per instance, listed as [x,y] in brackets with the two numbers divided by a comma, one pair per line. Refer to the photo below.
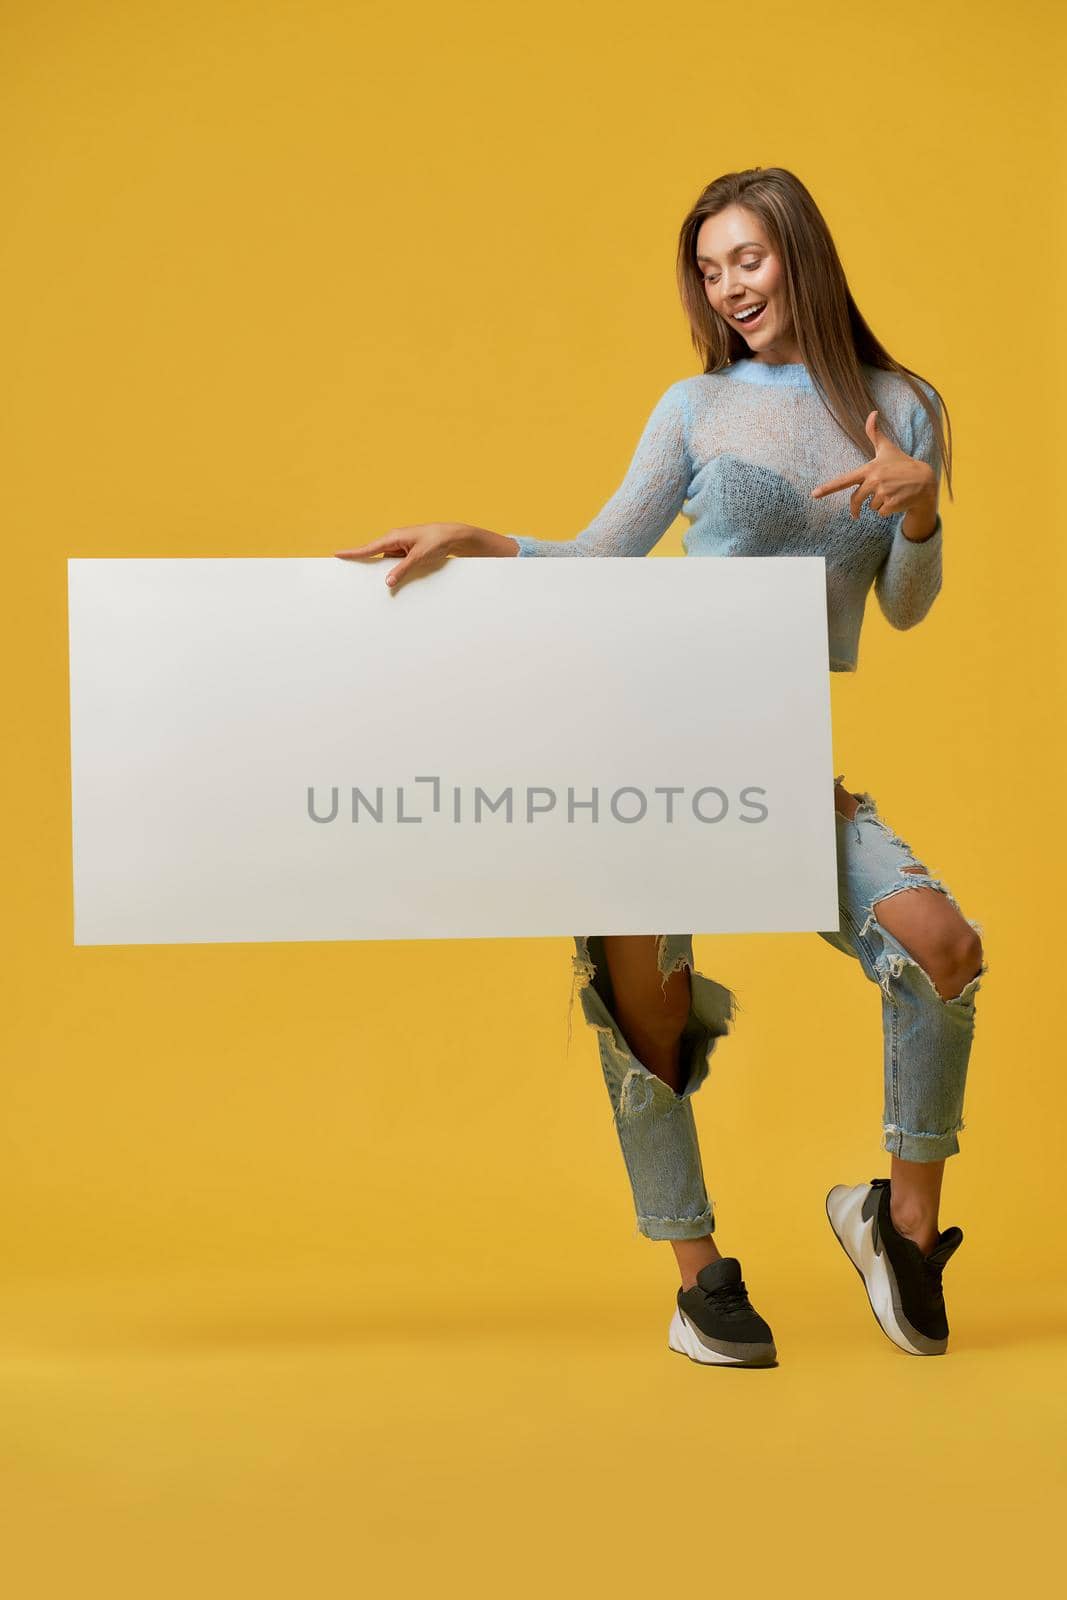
[715,1322]
[903,1285]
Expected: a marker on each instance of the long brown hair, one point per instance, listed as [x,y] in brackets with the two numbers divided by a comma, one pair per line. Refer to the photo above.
[829,328]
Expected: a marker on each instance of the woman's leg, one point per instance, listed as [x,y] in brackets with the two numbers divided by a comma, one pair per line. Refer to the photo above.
[657,1021]
[913,940]
[652,1015]
[642,994]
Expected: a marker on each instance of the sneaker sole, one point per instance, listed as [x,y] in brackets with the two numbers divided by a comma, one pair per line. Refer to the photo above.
[854,1233]
[685,1337]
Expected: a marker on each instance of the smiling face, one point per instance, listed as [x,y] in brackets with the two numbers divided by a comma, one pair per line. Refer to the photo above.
[742,273]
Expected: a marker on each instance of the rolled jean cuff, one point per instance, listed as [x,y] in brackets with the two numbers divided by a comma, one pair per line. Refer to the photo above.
[919,1146]
[677,1227]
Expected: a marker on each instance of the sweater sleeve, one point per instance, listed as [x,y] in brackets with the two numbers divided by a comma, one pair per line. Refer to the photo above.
[650,496]
[909,579]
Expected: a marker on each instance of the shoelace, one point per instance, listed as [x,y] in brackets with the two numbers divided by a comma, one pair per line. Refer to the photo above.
[729,1297]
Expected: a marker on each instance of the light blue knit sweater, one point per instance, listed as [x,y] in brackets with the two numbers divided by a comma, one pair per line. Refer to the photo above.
[737,452]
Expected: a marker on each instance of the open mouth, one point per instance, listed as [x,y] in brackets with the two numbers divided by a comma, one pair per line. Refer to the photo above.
[750,316]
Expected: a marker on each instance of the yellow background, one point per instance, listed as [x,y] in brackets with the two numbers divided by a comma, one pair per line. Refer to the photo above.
[319,1268]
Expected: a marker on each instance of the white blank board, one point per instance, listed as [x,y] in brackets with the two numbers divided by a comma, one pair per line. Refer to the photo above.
[286,749]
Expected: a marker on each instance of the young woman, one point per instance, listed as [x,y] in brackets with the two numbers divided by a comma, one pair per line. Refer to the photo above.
[802,436]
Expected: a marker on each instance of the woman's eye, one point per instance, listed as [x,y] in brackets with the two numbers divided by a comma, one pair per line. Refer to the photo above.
[750,266]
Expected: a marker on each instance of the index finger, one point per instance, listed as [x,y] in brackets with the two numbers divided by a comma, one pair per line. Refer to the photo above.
[373,548]
[845,481]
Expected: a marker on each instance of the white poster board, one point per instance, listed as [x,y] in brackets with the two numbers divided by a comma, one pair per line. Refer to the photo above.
[286,749]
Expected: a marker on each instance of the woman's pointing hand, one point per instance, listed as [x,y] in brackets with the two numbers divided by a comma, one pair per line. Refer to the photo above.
[894,481]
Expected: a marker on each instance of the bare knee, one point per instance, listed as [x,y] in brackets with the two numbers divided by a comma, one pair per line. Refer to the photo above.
[660,1004]
[960,963]
[656,1016]
[651,1010]
[933,932]
[951,963]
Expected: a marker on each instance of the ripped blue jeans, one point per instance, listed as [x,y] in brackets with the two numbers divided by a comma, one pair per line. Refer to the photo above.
[926,1039]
